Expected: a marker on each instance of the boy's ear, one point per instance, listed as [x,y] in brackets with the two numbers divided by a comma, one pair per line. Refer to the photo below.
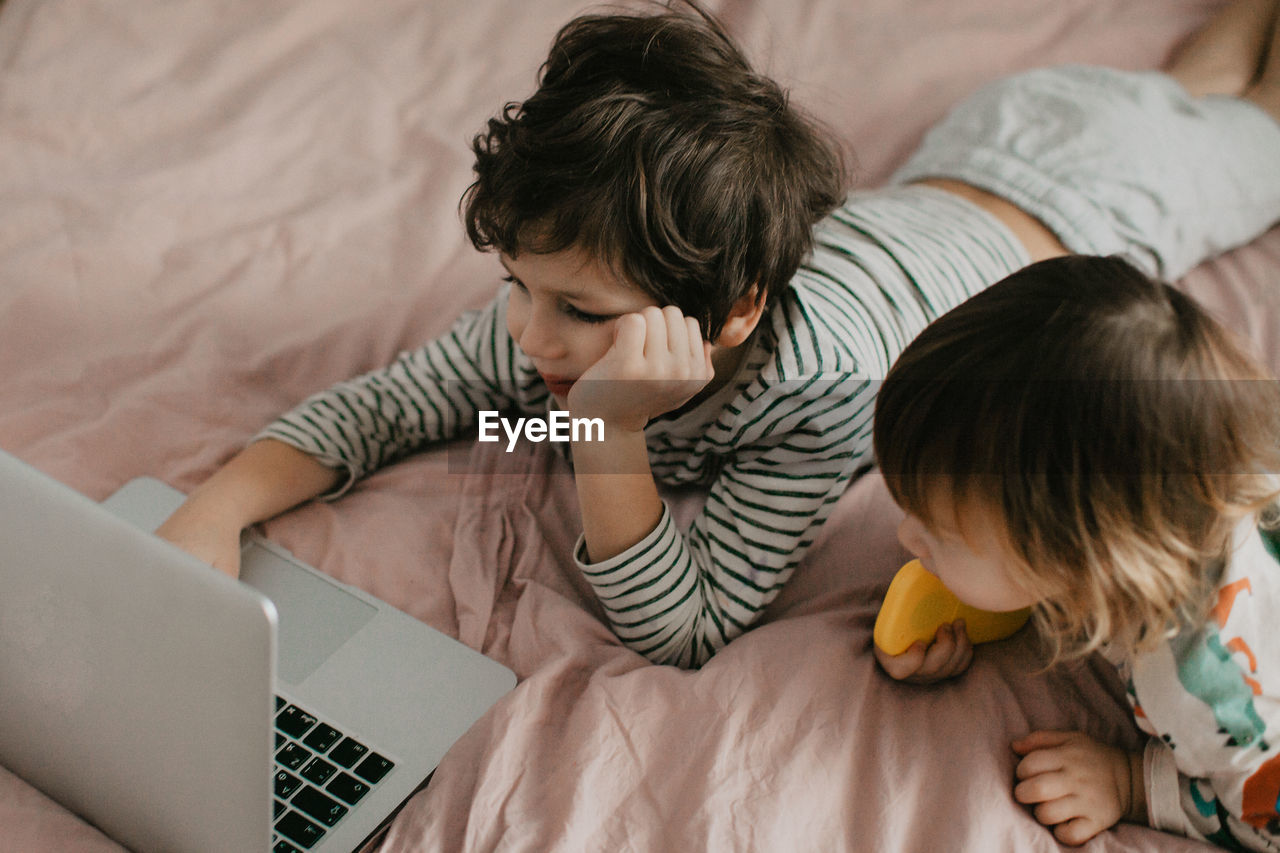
[744,316]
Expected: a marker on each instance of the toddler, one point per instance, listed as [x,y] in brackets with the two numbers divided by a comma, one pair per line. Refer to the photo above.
[1086,441]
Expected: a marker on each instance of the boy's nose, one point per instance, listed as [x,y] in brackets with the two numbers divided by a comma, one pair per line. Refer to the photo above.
[538,339]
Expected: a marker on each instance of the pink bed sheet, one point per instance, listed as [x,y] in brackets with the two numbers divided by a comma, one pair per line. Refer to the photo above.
[211,209]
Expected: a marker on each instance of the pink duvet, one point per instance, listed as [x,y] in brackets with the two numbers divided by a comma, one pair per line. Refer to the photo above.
[210,209]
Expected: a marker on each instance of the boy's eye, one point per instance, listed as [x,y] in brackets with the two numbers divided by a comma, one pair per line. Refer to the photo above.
[567,309]
[584,317]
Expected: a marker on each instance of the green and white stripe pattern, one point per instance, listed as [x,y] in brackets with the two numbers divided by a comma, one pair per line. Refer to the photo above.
[777,445]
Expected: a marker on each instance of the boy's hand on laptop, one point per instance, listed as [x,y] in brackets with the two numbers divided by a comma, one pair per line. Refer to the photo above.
[202,535]
[949,655]
[658,362]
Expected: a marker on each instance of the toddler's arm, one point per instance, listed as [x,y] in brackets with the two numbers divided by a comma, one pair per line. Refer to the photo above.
[1234,805]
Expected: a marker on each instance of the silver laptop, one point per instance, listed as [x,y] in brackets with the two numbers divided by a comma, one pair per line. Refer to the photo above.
[180,710]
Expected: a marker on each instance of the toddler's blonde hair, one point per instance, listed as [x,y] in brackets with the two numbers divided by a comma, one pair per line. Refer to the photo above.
[1120,433]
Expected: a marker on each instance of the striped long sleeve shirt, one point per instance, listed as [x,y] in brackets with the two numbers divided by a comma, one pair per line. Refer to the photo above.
[775,446]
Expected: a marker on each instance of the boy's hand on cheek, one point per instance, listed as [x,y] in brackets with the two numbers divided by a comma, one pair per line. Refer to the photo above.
[1079,786]
[658,361]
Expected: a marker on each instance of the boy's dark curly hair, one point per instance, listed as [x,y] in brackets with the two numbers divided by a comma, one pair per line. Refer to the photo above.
[653,146]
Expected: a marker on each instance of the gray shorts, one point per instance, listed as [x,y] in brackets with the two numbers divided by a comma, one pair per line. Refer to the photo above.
[1115,162]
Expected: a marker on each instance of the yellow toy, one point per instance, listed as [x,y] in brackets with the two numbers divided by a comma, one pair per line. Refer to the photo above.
[917,603]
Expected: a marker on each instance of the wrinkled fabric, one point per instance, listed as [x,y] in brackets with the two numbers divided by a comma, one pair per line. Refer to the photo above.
[211,210]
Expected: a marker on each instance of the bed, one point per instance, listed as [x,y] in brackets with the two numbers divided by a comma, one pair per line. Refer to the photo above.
[211,209]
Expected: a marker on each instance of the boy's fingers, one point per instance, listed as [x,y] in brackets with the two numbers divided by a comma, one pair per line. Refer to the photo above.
[677,331]
[655,336]
[695,340]
[629,333]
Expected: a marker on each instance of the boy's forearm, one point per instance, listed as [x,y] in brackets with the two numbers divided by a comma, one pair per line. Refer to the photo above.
[262,481]
[619,499]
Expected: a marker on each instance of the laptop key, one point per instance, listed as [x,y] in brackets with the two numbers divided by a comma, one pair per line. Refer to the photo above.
[348,752]
[299,830]
[318,771]
[373,768]
[292,756]
[286,783]
[347,788]
[284,847]
[294,721]
[315,804]
[322,737]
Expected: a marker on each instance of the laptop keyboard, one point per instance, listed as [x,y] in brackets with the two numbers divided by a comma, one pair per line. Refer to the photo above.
[321,774]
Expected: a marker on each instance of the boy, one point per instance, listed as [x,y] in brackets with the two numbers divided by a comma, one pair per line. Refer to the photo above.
[652,203]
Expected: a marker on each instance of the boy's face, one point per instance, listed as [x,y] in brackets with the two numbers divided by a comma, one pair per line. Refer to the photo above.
[562,310]
[977,566]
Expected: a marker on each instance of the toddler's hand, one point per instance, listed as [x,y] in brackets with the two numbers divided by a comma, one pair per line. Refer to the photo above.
[1080,786]
[658,362]
[947,656]
[204,536]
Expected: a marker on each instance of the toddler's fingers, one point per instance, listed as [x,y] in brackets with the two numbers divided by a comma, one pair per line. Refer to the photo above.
[904,665]
[1043,739]
[1077,831]
[1060,810]
[941,657]
[1038,762]
[962,649]
[1041,788]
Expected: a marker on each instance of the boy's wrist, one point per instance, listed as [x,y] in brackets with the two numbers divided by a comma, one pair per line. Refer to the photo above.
[617,420]
[218,505]
[616,449]
[616,492]
[266,478]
